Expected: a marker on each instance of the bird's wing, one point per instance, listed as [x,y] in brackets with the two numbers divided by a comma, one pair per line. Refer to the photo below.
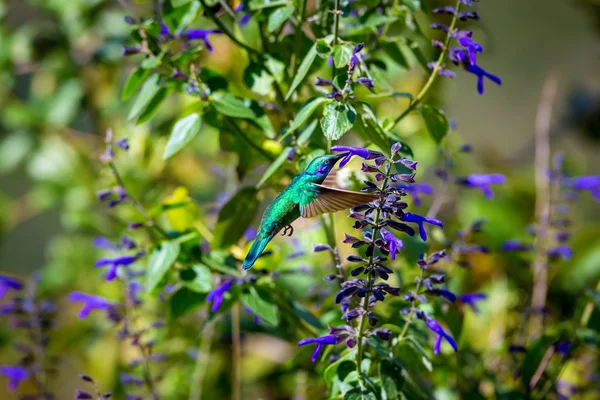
[318,199]
[331,180]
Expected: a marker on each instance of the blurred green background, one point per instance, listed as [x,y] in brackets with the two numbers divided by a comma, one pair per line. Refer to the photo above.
[61,76]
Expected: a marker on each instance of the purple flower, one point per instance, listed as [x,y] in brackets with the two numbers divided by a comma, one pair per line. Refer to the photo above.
[164,31]
[123,143]
[562,250]
[515,245]
[416,189]
[250,233]
[433,325]
[216,295]
[356,151]
[464,38]
[202,34]
[90,303]
[320,341]
[471,300]
[115,263]
[483,182]
[394,243]
[419,220]
[590,183]
[245,16]
[9,283]
[445,293]
[103,243]
[481,74]
[15,375]
[366,82]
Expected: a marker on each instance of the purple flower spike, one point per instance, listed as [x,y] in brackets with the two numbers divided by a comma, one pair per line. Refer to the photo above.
[433,325]
[483,182]
[200,34]
[481,74]
[216,295]
[90,303]
[320,341]
[590,183]
[471,300]
[103,243]
[355,151]
[394,243]
[419,220]
[562,250]
[9,283]
[15,375]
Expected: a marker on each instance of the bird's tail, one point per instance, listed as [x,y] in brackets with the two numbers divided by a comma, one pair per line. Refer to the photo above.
[255,251]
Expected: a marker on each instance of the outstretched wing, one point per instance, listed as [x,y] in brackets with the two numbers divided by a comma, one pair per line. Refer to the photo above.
[319,199]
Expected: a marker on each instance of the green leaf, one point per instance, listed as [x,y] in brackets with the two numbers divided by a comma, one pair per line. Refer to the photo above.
[183,132]
[305,112]
[258,79]
[14,149]
[305,66]
[324,50]
[153,62]
[412,355]
[341,55]
[65,104]
[416,50]
[306,134]
[231,106]
[261,4]
[436,122]
[197,278]
[152,108]
[150,88]
[387,95]
[393,51]
[235,217]
[183,302]
[337,119]
[278,17]
[275,165]
[332,369]
[179,3]
[261,304]
[160,262]
[390,373]
[187,18]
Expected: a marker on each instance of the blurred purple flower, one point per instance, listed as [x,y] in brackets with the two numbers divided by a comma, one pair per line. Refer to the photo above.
[115,263]
[435,327]
[394,243]
[9,283]
[590,183]
[200,34]
[15,375]
[562,250]
[419,220]
[471,300]
[90,303]
[481,74]
[123,143]
[483,182]
[356,151]
[416,189]
[250,234]
[515,245]
[216,295]
[245,16]
[320,341]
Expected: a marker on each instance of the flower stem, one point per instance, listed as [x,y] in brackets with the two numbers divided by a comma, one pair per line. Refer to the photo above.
[363,318]
[434,74]
[413,309]
[336,30]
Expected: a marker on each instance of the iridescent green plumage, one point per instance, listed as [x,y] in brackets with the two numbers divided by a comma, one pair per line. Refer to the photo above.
[306,197]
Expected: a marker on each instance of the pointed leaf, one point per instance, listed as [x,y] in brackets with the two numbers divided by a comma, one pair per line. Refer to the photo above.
[184,301]
[183,132]
[231,106]
[278,17]
[305,66]
[261,304]
[275,165]
[149,90]
[197,278]
[234,218]
[341,55]
[160,262]
[436,122]
[134,82]
[305,112]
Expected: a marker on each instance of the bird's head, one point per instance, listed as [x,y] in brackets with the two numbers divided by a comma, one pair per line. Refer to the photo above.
[322,165]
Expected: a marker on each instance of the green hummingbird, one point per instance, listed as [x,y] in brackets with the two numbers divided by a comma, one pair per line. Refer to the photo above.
[304,197]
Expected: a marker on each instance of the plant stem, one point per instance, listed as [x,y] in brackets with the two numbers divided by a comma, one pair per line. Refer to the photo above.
[413,309]
[434,74]
[201,362]
[336,30]
[236,351]
[542,206]
[298,37]
[226,31]
[149,220]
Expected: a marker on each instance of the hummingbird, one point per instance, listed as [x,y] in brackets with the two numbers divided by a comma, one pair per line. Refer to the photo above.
[304,197]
